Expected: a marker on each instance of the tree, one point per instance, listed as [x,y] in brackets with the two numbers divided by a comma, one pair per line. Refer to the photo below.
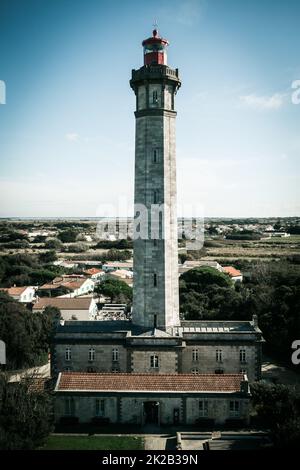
[25,414]
[121,244]
[294,229]
[200,278]
[39,239]
[27,335]
[68,236]
[53,244]
[116,255]
[77,248]
[48,257]
[117,291]
[278,408]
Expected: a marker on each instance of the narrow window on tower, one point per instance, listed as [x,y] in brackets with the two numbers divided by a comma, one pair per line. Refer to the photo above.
[154,97]
[155,196]
[155,155]
[154,280]
[160,226]
[155,321]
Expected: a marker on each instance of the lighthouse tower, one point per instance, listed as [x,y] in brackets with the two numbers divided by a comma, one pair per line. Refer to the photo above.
[155,284]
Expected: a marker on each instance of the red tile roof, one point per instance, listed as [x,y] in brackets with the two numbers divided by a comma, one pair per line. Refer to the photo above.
[69,283]
[96,382]
[14,290]
[64,303]
[232,271]
[92,271]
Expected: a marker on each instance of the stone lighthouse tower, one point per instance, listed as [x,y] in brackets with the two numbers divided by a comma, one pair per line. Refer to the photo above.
[155,285]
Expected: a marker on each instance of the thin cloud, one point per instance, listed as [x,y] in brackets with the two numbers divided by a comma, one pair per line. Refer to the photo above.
[262,103]
[189,12]
[72,137]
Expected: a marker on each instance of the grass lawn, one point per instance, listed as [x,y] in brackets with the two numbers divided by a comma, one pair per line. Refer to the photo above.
[93,443]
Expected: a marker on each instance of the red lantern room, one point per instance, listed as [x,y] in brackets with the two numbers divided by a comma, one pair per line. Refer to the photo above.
[155,50]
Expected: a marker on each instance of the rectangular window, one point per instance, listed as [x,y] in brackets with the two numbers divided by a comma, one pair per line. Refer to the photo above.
[242,355]
[154,97]
[219,355]
[68,354]
[234,408]
[115,355]
[155,197]
[195,355]
[203,408]
[99,407]
[69,406]
[155,321]
[195,371]
[154,362]
[155,280]
[155,156]
[91,354]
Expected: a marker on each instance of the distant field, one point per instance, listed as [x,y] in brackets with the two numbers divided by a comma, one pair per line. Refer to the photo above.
[93,443]
[270,248]
[287,240]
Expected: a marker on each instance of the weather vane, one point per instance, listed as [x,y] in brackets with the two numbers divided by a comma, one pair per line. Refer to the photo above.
[155,25]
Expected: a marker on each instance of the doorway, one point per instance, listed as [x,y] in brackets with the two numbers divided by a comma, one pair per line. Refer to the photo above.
[151,412]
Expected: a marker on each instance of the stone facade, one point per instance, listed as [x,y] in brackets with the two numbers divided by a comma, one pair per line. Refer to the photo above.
[155,287]
[155,343]
[198,347]
[144,405]
[130,409]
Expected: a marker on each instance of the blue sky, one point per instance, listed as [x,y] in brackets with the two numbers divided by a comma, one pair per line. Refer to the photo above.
[67,128]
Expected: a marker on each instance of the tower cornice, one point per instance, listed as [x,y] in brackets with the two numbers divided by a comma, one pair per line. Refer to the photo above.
[153,74]
[155,112]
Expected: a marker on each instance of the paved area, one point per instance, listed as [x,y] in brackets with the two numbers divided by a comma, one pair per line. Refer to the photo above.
[155,442]
[274,372]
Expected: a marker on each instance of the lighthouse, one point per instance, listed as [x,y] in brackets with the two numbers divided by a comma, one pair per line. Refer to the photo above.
[155,264]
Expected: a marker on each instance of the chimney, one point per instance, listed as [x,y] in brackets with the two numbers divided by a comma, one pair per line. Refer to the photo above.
[255,321]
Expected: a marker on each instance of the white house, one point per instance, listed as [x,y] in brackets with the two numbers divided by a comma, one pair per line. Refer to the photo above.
[235,274]
[76,285]
[95,274]
[81,309]
[25,294]
[114,265]
[187,265]
[122,275]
